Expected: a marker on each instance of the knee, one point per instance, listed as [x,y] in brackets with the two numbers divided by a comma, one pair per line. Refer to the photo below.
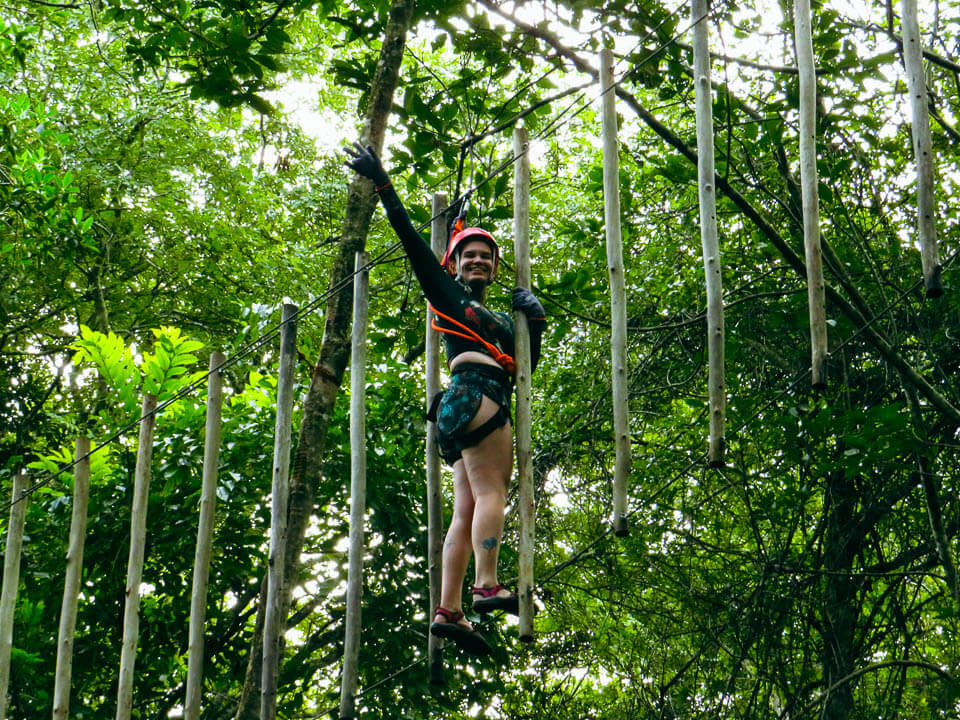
[462,517]
[496,495]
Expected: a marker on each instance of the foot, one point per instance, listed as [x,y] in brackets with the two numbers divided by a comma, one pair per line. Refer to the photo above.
[445,617]
[497,597]
[452,625]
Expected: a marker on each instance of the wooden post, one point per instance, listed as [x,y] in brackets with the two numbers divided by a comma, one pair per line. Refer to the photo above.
[528,510]
[708,232]
[273,625]
[201,560]
[438,242]
[618,295]
[11,582]
[816,296]
[71,581]
[922,149]
[358,486]
[138,537]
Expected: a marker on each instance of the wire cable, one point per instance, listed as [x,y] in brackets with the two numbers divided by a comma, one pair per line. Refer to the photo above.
[798,378]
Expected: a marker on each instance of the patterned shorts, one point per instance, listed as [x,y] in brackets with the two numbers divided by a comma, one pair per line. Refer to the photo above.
[460,402]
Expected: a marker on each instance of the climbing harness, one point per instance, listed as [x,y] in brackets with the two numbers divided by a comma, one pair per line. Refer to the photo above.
[454,408]
[503,359]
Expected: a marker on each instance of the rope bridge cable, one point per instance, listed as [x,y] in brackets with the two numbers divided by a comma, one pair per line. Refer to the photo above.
[627,75]
[199,382]
[251,347]
[474,139]
[373,686]
[243,352]
[800,377]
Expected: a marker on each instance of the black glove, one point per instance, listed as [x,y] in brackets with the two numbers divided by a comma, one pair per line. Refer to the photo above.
[525,302]
[364,161]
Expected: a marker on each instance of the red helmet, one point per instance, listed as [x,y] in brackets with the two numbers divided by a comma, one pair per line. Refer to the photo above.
[462,237]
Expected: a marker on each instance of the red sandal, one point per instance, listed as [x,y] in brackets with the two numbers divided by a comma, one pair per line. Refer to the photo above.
[467,639]
[490,601]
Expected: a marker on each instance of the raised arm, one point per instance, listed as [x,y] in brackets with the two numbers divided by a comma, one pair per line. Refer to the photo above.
[437,285]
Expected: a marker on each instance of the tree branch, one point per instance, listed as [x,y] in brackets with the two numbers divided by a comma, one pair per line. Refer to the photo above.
[863,323]
[871,668]
[62,6]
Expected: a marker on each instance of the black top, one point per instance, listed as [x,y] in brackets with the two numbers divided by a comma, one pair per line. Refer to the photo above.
[452,298]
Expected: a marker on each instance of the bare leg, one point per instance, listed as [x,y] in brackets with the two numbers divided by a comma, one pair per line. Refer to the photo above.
[457,545]
[488,467]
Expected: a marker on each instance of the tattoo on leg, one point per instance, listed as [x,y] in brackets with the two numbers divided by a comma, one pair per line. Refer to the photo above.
[450,543]
[490,543]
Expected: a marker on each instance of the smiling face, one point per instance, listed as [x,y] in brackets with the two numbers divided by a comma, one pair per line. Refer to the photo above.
[475,263]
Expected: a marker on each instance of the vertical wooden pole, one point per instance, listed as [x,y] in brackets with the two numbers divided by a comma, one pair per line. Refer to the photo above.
[138,537]
[618,295]
[708,232]
[11,582]
[201,560]
[438,242]
[358,486]
[273,625]
[811,203]
[922,149]
[71,581]
[528,511]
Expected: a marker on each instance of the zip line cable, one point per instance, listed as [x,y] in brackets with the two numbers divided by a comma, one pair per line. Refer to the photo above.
[468,144]
[474,139]
[626,76]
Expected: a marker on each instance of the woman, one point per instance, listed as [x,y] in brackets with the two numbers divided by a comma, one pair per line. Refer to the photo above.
[473,417]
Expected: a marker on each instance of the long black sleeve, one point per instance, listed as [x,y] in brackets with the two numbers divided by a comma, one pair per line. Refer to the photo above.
[536,335]
[443,292]
[447,295]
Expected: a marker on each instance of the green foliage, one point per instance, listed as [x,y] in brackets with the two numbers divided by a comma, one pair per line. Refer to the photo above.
[165,371]
[128,203]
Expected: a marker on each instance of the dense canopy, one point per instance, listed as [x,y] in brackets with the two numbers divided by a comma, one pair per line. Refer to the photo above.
[170,175]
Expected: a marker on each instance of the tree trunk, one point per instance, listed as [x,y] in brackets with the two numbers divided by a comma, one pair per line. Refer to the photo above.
[839,597]
[922,149]
[72,579]
[358,490]
[438,243]
[205,528]
[274,623]
[138,539]
[619,371]
[335,349]
[11,580]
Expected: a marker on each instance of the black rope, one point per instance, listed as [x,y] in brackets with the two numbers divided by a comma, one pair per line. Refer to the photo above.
[584,551]
[372,686]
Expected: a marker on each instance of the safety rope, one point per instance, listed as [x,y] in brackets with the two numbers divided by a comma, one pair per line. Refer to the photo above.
[502,358]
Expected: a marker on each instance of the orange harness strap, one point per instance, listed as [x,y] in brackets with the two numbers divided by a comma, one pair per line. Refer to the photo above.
[504,360]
